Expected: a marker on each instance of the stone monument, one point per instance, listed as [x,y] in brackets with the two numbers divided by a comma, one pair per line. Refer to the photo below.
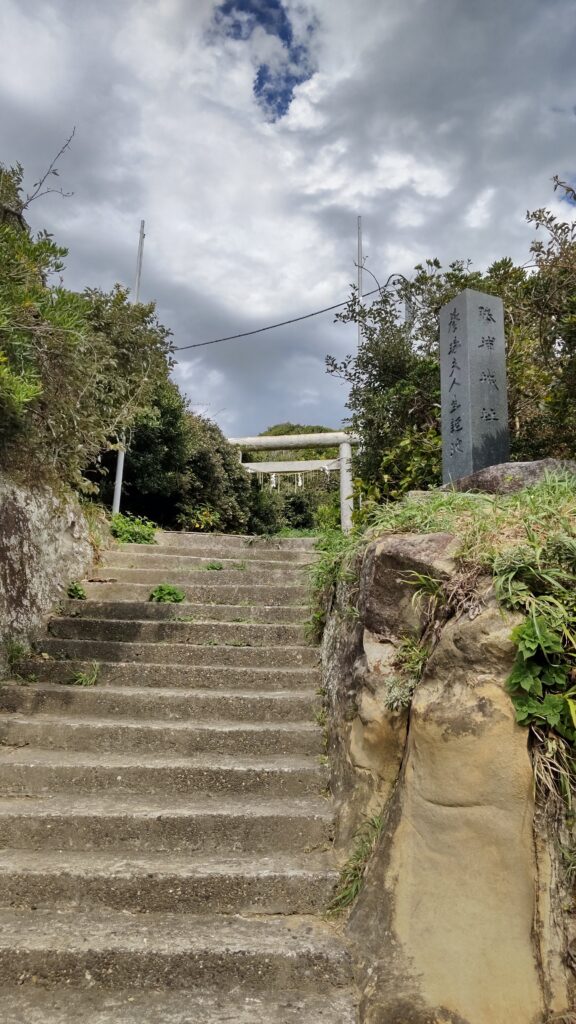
[473,384]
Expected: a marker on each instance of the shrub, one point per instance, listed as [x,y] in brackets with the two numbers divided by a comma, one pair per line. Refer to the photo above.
[166,593]
[131,529]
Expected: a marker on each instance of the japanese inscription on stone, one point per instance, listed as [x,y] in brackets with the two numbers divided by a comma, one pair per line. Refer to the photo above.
[473,384]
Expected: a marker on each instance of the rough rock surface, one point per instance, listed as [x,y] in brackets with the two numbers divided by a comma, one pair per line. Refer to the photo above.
[458,922]
[508,477]
[43,545]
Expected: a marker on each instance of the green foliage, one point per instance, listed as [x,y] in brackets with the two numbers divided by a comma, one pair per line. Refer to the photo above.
[337,552]
[129,529]
[538,578]
[201,518]
[15,652]
[88,678]
[213,567]
[166,593]
[76,591]
[352,874]
[75,369]
[267,510]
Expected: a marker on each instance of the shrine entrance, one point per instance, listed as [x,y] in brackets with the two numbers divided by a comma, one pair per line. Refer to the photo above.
[342,464]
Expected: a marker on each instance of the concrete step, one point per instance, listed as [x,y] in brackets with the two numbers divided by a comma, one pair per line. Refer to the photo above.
[297,884]
[170,705]
[157,737]
[246,542]
[185,577]
[205,592]
[153,555]
[110,949]
[233,634]
[174,676]
[185,612]
[181,654]
[122,822]
[65,1005]
[29,770]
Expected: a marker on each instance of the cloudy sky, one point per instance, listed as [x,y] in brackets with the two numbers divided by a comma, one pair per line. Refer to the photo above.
[250,134]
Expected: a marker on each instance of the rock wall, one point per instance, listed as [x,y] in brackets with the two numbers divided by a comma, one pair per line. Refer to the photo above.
[461,919]
[44,544]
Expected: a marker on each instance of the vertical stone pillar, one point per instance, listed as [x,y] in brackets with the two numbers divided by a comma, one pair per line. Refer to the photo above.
[473,384]
[346,502]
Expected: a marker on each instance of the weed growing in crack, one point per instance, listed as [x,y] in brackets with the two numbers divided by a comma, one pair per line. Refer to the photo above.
[353,872]
[87,678]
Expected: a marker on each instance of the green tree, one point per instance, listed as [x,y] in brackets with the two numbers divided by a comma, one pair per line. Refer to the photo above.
[76,370]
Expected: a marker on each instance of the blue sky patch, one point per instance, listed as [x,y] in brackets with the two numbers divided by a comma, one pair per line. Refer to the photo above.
[274,84]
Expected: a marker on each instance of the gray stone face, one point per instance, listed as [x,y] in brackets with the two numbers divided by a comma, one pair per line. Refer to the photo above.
[473,384]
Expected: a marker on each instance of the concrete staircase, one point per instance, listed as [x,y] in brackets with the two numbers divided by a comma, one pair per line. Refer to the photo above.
[165,849]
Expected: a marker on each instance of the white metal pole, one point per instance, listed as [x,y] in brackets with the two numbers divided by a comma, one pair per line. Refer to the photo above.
[346,487]
[121,450]
[360,263]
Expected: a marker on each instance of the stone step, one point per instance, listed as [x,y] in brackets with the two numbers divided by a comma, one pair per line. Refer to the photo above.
[29,770]
[185,612]
[158,737]
[123,822]
[166,564]
[173,676]
[196,541]
[160,703]
[29,1004]
[185,577]
[233,634]
[297,884]
[210,592]
[123,554]
[110,949]
[181,654]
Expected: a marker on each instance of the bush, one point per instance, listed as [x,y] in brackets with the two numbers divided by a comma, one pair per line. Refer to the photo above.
[165,593]
[75,369]
[267,510]
[132,529]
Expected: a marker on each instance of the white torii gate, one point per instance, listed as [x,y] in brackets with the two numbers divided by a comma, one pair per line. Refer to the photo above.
[281,442]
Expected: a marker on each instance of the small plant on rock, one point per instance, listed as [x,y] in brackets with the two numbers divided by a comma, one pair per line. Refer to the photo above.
[213,567]
[354,870]
[166,593]
[132,529]
[76,591]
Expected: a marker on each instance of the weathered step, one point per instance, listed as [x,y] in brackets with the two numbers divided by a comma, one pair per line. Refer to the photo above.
[228,634]
[122,823]
[141,554]
[159,703]
[186,577]
[29,1004]
[111,949]
[204,592]
[41,772]
[174,676]
[297,884]
[180,654]
[158,737]
[185,612]
[196,541]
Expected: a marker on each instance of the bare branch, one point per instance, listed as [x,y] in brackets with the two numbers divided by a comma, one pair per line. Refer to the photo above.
[38,188]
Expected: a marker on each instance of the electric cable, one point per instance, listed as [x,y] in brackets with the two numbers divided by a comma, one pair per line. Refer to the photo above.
[271,327]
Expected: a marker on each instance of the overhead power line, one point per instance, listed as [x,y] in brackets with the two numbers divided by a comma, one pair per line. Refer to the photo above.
[271,327]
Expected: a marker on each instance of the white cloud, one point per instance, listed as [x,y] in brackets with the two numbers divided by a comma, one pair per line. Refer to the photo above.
[439,123]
